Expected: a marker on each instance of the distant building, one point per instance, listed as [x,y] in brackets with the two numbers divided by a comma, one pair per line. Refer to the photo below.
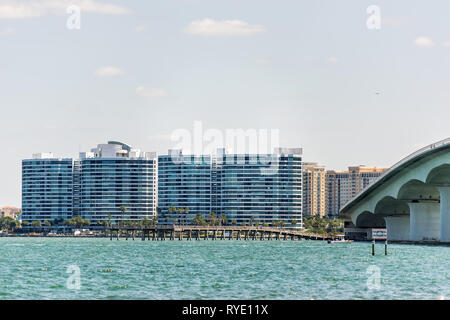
[341,186]
[184,181]
[245,187]
[11,212]
[314,182]
[47,188]
[114,176]
[263,187]
[95,186]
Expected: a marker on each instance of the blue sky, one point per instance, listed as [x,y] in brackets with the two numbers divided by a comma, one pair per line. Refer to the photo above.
[138,70]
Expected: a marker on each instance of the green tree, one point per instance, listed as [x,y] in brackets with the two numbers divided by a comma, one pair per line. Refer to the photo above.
[223,219]
[212,219]
[123,210]
[9,224]
[198,220]
[186,215]
[36,224]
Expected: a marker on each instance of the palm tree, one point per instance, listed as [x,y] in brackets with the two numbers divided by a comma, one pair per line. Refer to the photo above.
[212,219]
[156,217]
[123,210]
[223,219]
[198,220]
[180,212]
[186,212]
[36,224]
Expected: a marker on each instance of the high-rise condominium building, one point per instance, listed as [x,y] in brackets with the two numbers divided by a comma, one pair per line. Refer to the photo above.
[184,183]
[47,188]
[246,188]
[115,181]
[111,181]
[11,212]
[341,186]
[314,200]
[264,187]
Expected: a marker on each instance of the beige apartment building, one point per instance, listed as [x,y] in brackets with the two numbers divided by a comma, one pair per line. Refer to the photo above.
[341,186]
[11,212]
[314,182]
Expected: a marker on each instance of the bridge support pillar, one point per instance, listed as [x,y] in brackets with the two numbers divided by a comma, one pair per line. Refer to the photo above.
[398,227]
[424,221]
[445,214]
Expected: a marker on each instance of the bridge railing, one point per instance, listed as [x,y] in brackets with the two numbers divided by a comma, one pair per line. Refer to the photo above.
[420,151]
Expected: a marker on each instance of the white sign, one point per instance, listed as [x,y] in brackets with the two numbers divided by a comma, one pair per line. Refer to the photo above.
[379,234]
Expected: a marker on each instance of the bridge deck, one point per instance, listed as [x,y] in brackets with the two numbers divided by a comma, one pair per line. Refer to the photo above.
[212,232]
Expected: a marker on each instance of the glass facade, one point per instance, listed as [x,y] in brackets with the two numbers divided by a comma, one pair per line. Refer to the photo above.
[116,182]
[253,190]
[113,181]
[105,185]
[46,189]
[184,181]
[262,188]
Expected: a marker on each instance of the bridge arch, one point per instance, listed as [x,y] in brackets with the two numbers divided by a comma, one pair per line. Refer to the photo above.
[440,175]
[369,220]
[391,206]
[417,190]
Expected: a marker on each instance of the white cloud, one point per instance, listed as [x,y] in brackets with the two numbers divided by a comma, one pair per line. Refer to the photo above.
[7,31]
[150,92]
[424,42]
[141,28]
[262,61]
[332,59]
[38,8]
[209,27]
[108,71]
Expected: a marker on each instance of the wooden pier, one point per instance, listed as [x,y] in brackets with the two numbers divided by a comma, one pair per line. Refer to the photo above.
[211,233]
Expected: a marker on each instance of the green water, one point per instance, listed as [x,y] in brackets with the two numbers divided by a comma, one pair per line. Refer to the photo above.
[35,268]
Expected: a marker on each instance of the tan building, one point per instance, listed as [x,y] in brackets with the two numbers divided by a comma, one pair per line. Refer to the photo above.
[12,212]
[341,186]
[314,178]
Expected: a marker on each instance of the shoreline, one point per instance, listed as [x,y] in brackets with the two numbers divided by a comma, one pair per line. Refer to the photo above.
[430,243]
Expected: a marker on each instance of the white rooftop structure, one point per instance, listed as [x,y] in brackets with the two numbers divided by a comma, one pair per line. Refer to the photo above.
[115,149]
[43,155]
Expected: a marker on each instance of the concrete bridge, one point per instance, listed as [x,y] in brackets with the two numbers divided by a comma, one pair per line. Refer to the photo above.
[412,199]
[212,233]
